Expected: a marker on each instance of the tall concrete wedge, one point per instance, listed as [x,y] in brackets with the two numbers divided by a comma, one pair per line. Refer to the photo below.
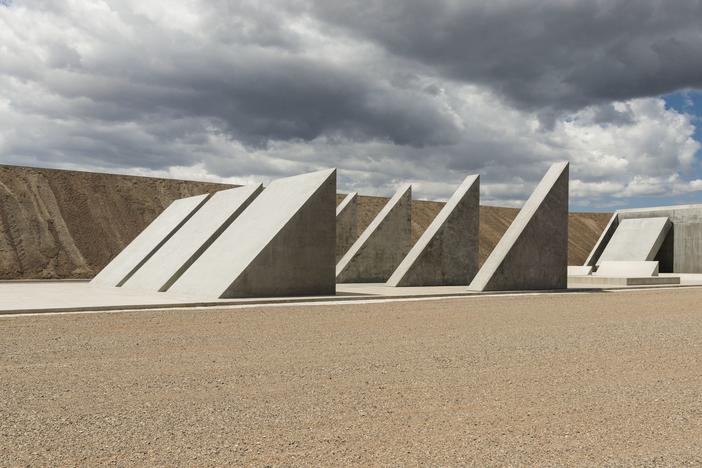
[283,244]
[447,252]
[533,252]
[346,224]
[382,246]
[169,262]
[137,252]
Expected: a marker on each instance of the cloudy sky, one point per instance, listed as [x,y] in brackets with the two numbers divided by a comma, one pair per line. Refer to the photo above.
[391,91]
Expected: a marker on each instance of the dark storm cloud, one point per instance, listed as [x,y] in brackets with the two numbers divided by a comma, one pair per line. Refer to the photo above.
[387,91]
[560,54]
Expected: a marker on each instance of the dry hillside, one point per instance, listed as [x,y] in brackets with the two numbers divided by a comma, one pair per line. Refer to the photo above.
[68,224]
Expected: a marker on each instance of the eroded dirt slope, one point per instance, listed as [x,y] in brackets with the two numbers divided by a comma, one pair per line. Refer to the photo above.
[69,224]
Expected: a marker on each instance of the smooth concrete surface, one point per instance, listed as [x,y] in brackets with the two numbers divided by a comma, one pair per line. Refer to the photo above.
[579,270]
[681,251]
[137,252]
[378,251]
[636,240]
[533,252]
[283,244]
[602,242]
[620,281]
[346,224]
[637,269]
[447,252]
[185,246]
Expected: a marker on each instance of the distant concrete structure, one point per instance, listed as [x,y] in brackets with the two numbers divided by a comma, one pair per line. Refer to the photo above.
[148,241]
[629,269]
[533,252]
[681,250]
[283,244]
[374,256]
[169,262]
[447,252]
[636,240]
[346,224]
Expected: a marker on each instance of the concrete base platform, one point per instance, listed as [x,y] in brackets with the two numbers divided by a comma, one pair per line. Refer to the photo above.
[608,281]
[42,296]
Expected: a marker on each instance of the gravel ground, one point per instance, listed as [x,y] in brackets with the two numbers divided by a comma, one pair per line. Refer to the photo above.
[571,379]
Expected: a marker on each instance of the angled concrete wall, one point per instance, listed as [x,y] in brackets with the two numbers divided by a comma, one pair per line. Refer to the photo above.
[636,240]
[346,224]
[382,246]
[283,244]
[169,262]
[148,241]
[681,251]
[533,252]
[447,252]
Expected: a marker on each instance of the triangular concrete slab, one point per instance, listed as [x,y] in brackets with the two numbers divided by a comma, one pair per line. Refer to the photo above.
[381,247]
[636,240]
[169,262]
[346,224]
[137,252]
[533,253]
[283,244]
[447,252]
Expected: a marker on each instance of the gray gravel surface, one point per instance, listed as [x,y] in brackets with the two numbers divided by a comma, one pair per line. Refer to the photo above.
[570,379]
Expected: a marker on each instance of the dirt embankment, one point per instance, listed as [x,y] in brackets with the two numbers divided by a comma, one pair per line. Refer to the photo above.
[69,224]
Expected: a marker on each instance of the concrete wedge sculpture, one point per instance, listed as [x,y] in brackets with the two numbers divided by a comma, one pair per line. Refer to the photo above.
[137,252]
[185,246]
[447,252]
[382,245]
[283,244]
[533,252]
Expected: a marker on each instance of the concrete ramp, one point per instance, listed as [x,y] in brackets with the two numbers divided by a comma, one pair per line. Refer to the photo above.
[636,240]
[169,262]
[148,241]
[281,245]
[346,224]
[447,252]
[533,252]
[382,246]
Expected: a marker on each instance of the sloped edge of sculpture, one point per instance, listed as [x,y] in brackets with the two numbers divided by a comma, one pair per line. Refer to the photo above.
[382,245]
[281,245]
[157,233]
[533,252]
[447,252]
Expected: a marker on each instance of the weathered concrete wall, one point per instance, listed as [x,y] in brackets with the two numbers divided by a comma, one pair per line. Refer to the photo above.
[283,244]
[346,224]
[192,239]
[636,240]
[447,252]
[681,251]
[381,247]
[148,241]
[533,253]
